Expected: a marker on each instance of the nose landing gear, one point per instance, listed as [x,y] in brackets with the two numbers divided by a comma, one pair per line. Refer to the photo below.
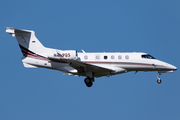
[159,79]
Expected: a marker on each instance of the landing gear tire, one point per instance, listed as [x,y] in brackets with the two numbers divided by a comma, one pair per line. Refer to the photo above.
[159,81]
[88,82]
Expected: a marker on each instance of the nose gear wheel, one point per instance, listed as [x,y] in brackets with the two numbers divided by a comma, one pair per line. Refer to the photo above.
[159,79]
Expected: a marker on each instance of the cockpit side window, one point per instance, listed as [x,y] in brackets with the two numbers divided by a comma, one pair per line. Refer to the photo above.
[148,56]
[76,53]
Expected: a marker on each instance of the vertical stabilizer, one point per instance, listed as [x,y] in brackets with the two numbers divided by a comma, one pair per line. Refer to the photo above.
[27,41]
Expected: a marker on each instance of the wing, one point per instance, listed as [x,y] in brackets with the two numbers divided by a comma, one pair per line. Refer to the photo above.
[97,71]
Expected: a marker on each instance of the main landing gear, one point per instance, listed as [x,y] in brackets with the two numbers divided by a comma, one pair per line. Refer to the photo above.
[89,81]
[159,79]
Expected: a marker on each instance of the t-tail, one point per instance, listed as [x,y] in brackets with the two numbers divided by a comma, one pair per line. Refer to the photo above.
[35,54]
[30,46]
[27,41]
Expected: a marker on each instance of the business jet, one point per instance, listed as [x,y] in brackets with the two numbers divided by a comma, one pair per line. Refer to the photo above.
[90,65]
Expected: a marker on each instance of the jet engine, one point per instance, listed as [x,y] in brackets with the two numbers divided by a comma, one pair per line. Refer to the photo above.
[66,54]
[69,54]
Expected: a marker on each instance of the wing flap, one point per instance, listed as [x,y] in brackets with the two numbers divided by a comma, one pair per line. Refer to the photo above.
[83,67]
[79,65]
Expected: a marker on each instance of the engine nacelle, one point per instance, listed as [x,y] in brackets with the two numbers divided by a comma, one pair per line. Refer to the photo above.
[68,54]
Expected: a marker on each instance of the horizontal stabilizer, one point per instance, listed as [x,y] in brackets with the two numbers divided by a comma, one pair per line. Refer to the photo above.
[10,31]
[13,30]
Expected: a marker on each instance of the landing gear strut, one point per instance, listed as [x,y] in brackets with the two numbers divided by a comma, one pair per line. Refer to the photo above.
[88,82]
[159,79]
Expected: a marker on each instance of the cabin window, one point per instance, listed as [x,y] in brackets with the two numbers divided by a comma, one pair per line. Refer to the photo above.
[119,57]
[105,57]
[112,57]
[97,56]
[127,57]
[147,56]
[86,57]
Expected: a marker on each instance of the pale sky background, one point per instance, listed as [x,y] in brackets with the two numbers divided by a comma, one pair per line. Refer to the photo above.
[151,26]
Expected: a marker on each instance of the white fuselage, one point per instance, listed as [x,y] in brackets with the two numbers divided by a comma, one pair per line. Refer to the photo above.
[129,61]
[115,61]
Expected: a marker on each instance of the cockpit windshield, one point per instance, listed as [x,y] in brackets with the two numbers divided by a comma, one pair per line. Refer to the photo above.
[148,56]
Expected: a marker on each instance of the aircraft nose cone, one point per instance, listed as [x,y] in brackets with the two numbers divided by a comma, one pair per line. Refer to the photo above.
[172,67]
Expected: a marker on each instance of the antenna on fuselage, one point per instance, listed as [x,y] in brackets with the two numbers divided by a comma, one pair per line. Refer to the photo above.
[83,51]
